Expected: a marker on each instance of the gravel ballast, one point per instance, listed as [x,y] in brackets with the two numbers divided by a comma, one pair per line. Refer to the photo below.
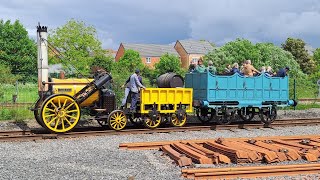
[100,157]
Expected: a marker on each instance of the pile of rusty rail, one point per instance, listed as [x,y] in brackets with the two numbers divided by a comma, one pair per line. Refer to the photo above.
[236,150]
[250,171]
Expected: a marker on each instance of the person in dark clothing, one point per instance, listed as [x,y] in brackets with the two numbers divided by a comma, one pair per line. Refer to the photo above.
[283,72]
[235,69]
[127,90]
[192,68]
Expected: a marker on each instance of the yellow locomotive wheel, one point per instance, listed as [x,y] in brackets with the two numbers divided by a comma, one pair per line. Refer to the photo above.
[176,122]
[152,124]
[117,120]
[60,113]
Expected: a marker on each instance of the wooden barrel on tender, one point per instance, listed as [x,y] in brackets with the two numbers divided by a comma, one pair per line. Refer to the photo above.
[170,80]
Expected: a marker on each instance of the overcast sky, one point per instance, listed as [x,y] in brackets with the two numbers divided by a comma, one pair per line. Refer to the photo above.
[165,21]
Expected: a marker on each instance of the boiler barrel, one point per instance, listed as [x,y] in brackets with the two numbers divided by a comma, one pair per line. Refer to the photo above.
[170,80]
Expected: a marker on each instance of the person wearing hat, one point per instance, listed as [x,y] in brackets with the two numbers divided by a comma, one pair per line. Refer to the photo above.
[283,72]
[211,68]
[135,84]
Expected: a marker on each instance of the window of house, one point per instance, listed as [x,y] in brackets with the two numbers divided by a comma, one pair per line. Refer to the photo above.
[194,60]
[148,60]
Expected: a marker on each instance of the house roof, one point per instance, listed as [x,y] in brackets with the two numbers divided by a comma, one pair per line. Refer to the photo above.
[151,50]
[196,47]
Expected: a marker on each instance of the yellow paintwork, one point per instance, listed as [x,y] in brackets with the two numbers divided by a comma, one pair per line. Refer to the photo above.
[60,113]
[176,122]
[166,96]
[117,120]
[152,124]
[73,89]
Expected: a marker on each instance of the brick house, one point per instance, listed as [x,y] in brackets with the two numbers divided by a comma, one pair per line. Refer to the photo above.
[149,53]
[191,50]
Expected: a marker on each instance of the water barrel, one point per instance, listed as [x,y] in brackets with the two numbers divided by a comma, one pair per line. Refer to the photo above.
[170,80]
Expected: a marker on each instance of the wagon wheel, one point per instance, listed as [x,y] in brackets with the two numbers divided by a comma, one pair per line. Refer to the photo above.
[226,118]
[152,123]
[37,112]
[175,121]
[137,121]
[117,120]
[268,117]
[246,114]
[60,113]
[204,114]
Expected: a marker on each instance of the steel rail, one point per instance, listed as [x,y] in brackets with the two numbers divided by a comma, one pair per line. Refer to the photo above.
[251,171]
[85,132]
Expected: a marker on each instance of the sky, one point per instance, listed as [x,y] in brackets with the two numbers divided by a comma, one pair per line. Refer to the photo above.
[165,21]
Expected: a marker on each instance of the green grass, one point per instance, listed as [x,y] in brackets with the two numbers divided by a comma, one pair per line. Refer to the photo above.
[17,113]
[26,93]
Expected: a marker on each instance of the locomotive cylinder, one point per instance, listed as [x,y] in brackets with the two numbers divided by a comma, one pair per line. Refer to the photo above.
[102,80]
[170,80]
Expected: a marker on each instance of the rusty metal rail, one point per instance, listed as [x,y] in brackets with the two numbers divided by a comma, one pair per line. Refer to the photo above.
[240,150]
[236,150]
[250,171]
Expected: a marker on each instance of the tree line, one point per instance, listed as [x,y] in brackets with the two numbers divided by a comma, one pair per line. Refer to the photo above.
[80,49]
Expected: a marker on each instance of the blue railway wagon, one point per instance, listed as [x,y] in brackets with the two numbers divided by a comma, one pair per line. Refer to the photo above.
[223,97]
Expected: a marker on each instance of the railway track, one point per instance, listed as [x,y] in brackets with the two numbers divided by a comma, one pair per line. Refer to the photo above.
[40,134]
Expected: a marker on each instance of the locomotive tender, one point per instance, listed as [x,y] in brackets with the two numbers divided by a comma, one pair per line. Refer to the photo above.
[222,98]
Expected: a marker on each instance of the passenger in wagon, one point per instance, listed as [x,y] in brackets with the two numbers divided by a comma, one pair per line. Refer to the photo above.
[269,71]
[192,68]
[211,68]
[227,70]
[200,67]
[248,69]
[283,72]
[235,69]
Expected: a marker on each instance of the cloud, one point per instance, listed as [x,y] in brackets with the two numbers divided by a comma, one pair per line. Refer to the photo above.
[165,21]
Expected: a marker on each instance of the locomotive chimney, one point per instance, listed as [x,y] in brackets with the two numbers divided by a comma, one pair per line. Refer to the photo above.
[43,69]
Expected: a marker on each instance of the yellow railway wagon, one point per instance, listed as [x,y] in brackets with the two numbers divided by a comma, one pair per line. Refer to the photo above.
[167,100]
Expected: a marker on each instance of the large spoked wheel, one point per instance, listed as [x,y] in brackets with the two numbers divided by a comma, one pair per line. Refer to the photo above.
[246,114]
[178,122]
[60,113]
[268,116]
[204,114]
[152,123]
[37,112]
[117,120]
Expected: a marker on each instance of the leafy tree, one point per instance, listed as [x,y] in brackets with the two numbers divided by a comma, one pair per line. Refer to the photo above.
[271,55]
[316,57]
[168,63]
[297,49]
[77,43]
[17,51]
[130,61]
[6,76]
[261,54]
[106,62]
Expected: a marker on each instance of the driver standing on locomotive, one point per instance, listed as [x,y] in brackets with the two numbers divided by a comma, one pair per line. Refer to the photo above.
[134,88]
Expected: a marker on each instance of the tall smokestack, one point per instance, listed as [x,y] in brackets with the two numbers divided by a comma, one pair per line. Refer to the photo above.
[43,69]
